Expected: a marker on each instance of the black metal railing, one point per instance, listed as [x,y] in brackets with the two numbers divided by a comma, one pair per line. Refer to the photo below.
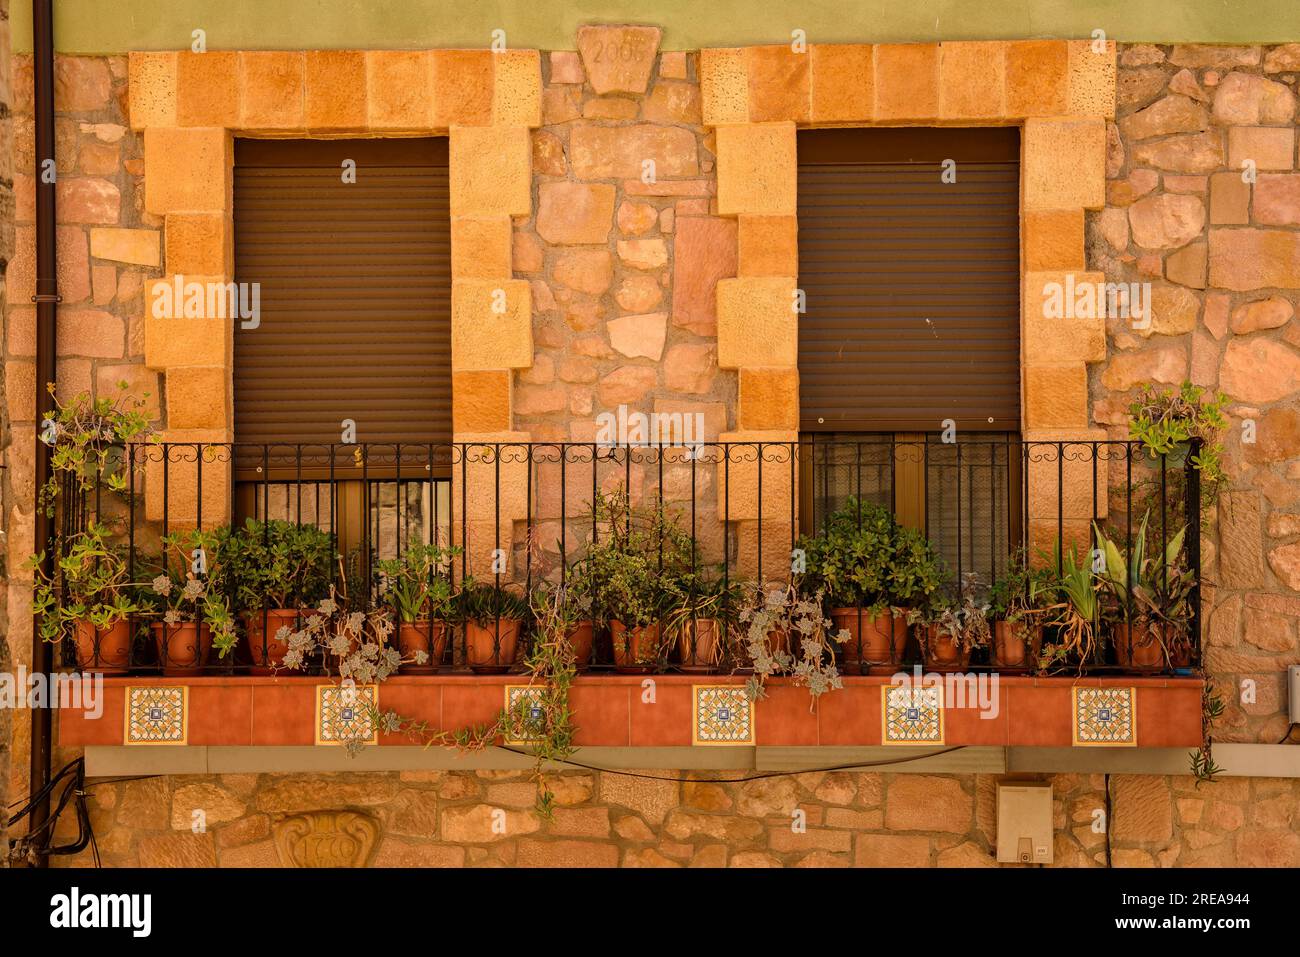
[688,537]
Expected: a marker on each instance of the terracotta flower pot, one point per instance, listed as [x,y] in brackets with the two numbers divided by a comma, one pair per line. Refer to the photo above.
[942,653]
[183,648]
[699,644]
[269,654]
[416,636]
[106,651]
[481,647]
[582,636]
[1136,648]
[636,650]
[1016,646]
[879,643]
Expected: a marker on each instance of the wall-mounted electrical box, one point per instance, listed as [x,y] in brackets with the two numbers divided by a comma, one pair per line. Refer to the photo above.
[1293,694]
[1025,823]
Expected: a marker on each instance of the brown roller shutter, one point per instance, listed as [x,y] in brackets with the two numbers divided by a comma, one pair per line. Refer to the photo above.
[912,284]
[355,291]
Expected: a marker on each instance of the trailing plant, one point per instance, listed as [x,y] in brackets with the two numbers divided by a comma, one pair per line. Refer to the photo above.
[416,584]
[277,564]
[1165,421]
[964,618]
[86,436]
[773,616]
[1203,767]
[540,719]
[191,586]
[89,584]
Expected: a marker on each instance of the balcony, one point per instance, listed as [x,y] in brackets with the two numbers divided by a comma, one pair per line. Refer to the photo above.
[1062,574]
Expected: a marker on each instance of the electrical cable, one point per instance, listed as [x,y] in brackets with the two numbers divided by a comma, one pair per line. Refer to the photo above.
[749,777]
[1287,737]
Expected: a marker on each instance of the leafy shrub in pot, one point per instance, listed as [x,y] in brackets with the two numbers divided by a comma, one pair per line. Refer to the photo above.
[274,571]
[1020,603]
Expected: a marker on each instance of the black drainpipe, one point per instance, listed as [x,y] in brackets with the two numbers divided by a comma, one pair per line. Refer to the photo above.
[47,298]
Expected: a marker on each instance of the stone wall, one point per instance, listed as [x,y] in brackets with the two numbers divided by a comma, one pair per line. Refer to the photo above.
[622,275]
[1223,258]
[650,819]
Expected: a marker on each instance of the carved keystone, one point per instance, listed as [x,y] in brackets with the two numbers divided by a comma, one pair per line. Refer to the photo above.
[326,839]
[618,59]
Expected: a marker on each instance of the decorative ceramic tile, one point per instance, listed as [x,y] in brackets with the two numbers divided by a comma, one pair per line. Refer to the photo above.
[343,714]
[1105,717]
[157,715]
[721,714]
[530,699]
[912,715]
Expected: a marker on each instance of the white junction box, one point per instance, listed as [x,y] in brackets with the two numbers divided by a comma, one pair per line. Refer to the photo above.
[1293,694]
[1025,823]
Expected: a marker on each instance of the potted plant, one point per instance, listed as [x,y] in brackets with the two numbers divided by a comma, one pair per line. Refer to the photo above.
[493,616]
[1148,601]
[1020,602]
[189,594]
[954,628]
[416,587]
[811,660]
[631,569]
[87,599]
[274,570]
[1078,613]
[700,618]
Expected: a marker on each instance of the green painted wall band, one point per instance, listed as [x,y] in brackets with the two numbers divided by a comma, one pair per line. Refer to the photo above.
[98,26]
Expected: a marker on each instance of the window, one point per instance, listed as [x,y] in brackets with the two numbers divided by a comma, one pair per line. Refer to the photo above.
[912,325]
[350,244]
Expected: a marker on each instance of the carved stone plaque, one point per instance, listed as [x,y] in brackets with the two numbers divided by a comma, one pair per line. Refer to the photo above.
[326,839]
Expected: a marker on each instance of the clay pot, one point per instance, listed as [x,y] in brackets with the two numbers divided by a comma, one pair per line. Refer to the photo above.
[269,654]
[1143,652]
[699,644]
[106,651]
[183,648]
[482,652]
[1016,646]
[636,650]
[581,637]
[416,636]
[878,645]
[942,653]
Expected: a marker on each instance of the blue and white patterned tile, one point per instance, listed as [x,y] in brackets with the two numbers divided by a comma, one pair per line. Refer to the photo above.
[524,702]
[1105,717]
[912,715]
[157,714]
[344,714]
[721,714]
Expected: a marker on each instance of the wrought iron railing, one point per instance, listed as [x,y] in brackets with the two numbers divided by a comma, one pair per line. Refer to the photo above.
[735,521]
